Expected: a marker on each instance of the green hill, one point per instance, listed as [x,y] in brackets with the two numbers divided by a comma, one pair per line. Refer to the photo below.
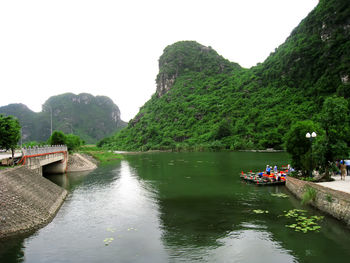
[204,101]
[92,118]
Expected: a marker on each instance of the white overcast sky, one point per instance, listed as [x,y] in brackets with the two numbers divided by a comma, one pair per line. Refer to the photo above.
[112,47]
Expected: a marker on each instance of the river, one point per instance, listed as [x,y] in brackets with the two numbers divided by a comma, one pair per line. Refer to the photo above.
[177,207]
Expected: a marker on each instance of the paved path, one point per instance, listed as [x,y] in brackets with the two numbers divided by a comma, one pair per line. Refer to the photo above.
[338,184]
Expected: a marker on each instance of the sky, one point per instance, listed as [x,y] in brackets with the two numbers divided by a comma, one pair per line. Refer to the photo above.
[112,47]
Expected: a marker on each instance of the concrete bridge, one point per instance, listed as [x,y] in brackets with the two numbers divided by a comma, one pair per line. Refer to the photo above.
[47,159]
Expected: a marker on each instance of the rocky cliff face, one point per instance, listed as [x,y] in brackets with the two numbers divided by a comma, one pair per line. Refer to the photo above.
[188,56]
[164,84]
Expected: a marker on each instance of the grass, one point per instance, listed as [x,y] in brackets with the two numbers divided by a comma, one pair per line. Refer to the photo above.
[6,167]
[100,154]
[309,195]
[329,198]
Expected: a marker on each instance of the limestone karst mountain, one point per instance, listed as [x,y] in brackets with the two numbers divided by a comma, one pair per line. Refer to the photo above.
[203,101]
[90,117]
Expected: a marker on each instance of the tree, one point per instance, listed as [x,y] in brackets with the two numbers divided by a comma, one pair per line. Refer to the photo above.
[57,138]
[223,130]
[334,120]
[10,133]
[299,147]
[72,141]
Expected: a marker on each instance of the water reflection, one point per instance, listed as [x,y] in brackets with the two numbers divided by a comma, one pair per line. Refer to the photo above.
[68,181]
[12,250]
[202,213]
[177,207]
[249,246]
[124,209]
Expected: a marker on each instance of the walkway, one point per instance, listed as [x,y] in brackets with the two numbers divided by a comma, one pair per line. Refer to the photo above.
[338,184]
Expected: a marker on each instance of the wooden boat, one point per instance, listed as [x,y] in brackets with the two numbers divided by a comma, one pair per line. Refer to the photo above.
[263,181]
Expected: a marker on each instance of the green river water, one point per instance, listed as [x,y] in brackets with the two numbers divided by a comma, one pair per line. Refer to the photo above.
[177,207]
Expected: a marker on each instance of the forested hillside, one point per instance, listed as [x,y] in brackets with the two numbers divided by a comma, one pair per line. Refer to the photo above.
[91,118]
[204,101]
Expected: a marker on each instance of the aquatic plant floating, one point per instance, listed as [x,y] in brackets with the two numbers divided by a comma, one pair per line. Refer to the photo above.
[280,195]
[259,211]
[111,229]
[108,240]
[294,213]
[302,222]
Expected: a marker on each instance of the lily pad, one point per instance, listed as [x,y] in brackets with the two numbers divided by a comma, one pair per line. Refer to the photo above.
[259,211]
[303,223]
[108,240]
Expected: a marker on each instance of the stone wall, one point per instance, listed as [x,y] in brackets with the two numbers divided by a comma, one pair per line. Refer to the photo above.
[28,201]
[333,202]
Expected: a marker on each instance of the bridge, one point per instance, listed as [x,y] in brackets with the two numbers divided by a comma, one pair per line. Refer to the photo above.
[47,159]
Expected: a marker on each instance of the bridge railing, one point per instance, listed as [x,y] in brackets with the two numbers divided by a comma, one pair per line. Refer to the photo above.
[44,149]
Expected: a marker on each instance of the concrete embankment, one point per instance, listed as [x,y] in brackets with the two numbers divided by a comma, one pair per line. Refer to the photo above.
[331,201]
[79,162]
[28,201]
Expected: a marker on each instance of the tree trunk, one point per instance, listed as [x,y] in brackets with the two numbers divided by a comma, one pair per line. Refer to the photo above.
[325,176]
[13,155]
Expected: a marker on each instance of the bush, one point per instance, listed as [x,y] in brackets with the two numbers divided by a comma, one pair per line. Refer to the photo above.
[57,138]
[72,141]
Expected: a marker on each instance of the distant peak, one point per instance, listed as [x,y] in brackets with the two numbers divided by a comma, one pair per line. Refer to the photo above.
[188,56]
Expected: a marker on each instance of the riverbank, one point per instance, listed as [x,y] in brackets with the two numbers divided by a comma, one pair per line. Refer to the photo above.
[263,151]
[79,162]
[330,197]
[28,201]
[98,155]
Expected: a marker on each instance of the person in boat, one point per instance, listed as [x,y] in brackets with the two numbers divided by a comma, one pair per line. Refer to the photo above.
[260,174]
[275,169]
[268,170]
[278,177]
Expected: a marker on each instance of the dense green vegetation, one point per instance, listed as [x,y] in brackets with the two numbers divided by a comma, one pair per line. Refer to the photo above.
[205,102]
[330,143]
[10,133]
[72,141]
[91,118]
